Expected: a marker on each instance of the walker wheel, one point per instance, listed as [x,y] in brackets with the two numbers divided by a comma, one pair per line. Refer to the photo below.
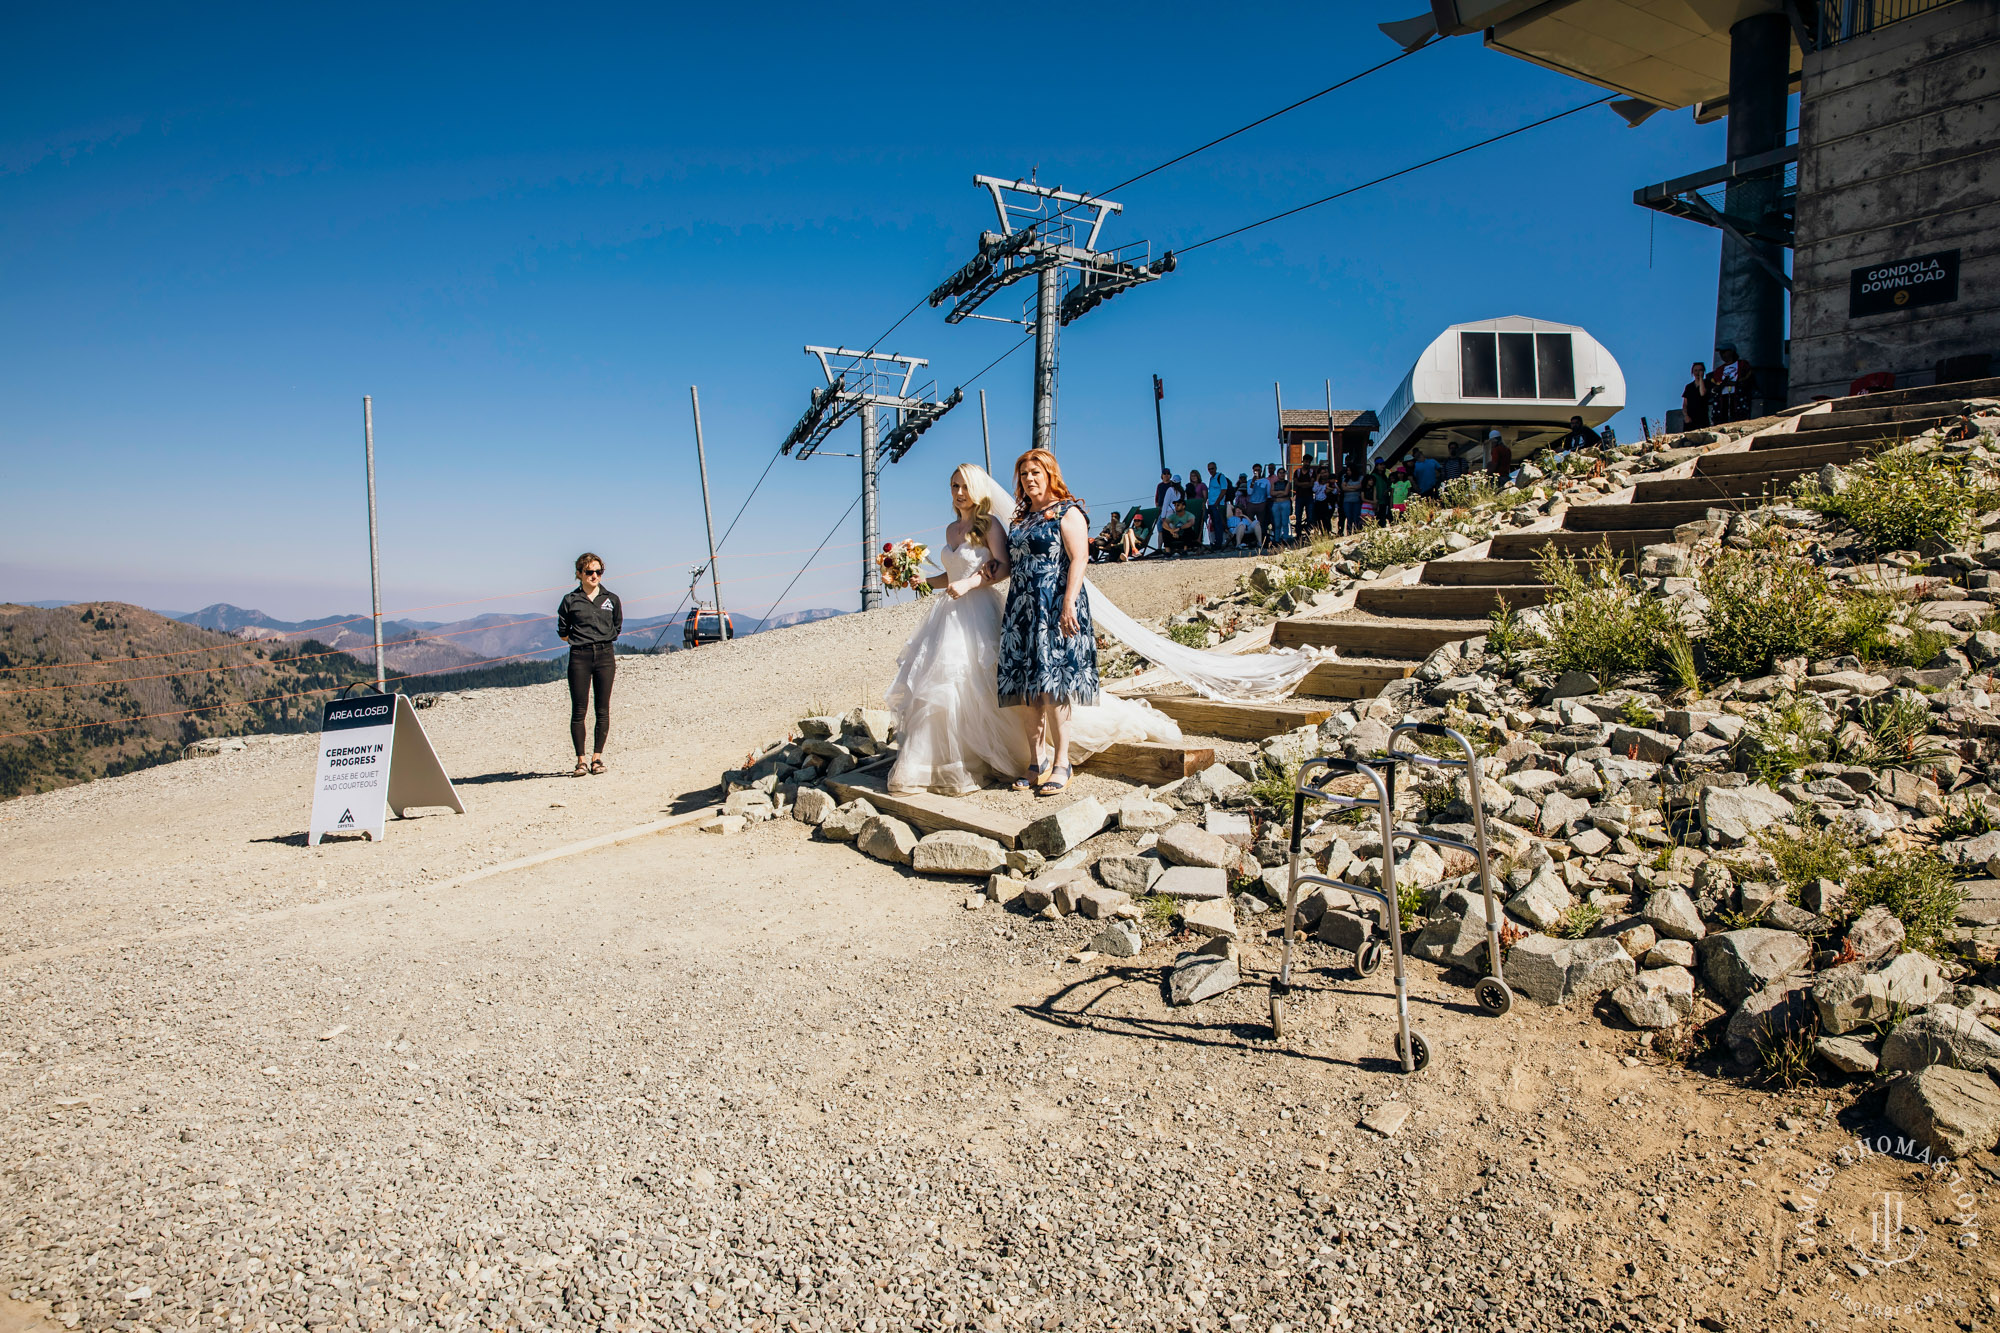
[1494,996]
[1369,958]
[1420,1052]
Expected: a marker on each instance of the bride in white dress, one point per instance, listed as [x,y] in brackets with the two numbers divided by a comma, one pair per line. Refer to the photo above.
[954,736]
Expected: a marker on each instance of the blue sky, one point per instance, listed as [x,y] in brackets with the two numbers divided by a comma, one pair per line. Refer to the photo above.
[526,232]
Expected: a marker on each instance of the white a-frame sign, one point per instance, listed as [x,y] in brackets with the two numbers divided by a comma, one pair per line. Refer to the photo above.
[374,757]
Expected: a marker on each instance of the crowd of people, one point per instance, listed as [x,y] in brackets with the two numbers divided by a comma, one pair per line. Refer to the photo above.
[1275,506]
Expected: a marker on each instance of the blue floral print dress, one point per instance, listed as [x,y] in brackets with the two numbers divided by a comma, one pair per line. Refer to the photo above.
[1039,664]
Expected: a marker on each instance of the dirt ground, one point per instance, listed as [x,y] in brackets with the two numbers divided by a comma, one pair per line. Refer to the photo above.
[762,1082]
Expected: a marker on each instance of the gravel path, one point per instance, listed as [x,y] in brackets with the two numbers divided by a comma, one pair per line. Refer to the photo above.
[764,1083]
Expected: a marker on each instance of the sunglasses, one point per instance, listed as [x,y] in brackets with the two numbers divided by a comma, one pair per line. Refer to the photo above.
[589,572]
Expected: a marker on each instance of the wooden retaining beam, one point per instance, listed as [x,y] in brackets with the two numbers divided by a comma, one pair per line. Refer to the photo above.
[1150,764]
[1453,603]
[1238,722]
[929,813]
[1365,638]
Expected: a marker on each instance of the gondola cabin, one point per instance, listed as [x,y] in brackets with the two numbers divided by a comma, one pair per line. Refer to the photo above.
[706,625]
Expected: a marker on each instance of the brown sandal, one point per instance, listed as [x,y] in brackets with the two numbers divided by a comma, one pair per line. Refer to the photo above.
[582,769]
[597,766]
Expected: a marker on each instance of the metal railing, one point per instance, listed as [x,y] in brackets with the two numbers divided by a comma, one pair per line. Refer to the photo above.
[1840,20]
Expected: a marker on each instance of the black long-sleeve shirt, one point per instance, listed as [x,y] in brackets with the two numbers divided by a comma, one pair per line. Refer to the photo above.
[586,622]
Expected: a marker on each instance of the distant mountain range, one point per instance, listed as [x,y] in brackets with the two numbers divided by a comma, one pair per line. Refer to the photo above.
[430,645]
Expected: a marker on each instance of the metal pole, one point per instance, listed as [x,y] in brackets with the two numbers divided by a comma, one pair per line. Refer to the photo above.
[1333,459]
[1048,296]
[871,572]
[1279,396]
[374,550]
[985,432]
[714,574]
[1159,431]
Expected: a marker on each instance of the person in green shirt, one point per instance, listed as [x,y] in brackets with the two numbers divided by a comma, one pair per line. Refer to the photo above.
[1399,491]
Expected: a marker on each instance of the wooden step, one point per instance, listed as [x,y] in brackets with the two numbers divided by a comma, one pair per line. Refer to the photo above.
[1887,431]
[1456,603]
[1353,677]
[1728,485]
[1462,573]
[929,813]
[1878,416]
[1923,393]
[1809,457]
[1237,722]
[1369,638]
[1148,763]
[1664,514]
[1625,542]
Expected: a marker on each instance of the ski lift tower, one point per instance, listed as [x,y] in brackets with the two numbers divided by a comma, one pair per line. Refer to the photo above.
[1050,234]
[871,386]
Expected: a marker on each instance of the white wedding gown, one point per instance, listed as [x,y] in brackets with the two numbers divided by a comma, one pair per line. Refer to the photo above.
[955,737]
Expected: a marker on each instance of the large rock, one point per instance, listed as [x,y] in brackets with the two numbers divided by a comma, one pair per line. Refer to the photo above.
[1557,971]
[1222,779]
[1101,904]
[1193,883]
[1453,941]
[843,823]
[1732,815]
[1195,977]
[1851,995]
[1186,845]
[1942,1035]
[1784,1007]
[1739,963]
[886,838]
[1672,915]
[1875,934]
[1949,1111]
[1139,814]
[1847,1054]
[1653,747]
[813,806]
[1053,835]
[1118,940]
[1658,998]
[1543,902]
[1214,917]
[956,852]
[1560,811]
[1132,874]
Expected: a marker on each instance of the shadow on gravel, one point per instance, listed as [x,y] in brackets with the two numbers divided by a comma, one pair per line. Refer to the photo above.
[482,779]
[1068,1008]
[285,839]
[695,800]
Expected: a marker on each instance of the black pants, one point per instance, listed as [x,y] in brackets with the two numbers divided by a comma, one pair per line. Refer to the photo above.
[596,664]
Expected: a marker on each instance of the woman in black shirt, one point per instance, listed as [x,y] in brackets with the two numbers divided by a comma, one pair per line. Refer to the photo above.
[589,619]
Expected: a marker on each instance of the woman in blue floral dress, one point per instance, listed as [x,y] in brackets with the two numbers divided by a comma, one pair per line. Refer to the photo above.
[1048,651]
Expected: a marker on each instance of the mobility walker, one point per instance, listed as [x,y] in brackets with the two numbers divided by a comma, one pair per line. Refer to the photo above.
[1364,940]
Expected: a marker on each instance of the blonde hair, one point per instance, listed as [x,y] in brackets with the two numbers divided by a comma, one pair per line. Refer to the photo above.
[978,521]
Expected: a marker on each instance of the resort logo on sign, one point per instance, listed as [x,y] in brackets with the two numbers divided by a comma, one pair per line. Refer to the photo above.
[1900,284]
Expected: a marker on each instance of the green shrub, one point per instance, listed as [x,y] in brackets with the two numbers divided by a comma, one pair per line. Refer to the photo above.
[1812,854]
[1678,660]
[1793,734]
[1919,886]
[1761,608]
[1596,621]
[1161,910]
[1965,818]
[1785,1053]
[1904,500]
[1898,735]
[1506,637]
[1474,490]
[1194,634]
[1386,544]
[1635,714]
[1275,787]
[1578,921]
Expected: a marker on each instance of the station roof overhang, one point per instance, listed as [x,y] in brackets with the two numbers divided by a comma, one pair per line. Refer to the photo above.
[1662,54]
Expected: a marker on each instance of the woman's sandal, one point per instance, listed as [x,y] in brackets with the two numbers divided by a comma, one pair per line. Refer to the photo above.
[1030,781]
[597,766]
[582,769]
[1049,786]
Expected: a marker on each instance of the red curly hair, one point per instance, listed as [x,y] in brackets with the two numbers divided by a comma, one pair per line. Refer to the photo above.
[1057,491]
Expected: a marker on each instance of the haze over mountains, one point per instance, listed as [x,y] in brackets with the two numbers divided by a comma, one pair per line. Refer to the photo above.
[432,645]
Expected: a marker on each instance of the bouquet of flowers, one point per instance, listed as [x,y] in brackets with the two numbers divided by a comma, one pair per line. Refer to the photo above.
[903,566]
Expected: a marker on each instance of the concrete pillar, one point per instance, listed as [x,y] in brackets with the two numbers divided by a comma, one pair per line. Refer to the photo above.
[1750,304]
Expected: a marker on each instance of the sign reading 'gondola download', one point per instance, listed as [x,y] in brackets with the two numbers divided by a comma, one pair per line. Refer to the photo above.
[374,757]
[1899,284]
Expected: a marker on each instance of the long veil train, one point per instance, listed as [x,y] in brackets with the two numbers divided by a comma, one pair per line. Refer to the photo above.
[1232,677]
